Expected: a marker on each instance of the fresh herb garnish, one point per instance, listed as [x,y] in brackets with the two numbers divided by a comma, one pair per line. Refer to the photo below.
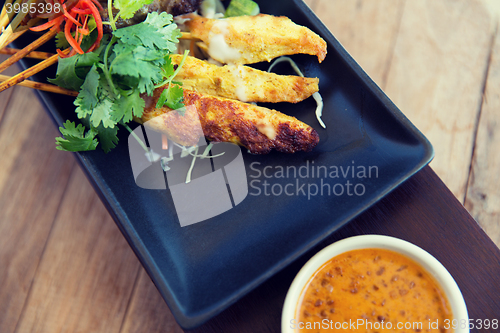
[111,78]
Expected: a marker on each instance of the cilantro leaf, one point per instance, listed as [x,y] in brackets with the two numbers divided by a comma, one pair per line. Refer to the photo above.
[107,137]
[61,42]
[127,8]
[75,138]
[102,114]
[66,76]
[168,67]
[71,70]
[175,97]
[111,78]
[129,105]
[157,30]
[136,62]
[172,97]
[87,97]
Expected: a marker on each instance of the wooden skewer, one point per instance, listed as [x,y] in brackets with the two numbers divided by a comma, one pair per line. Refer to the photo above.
[33,54]
[13,26]
[186,35]
[42,86]
[4,16]
[30,71]
[22,53]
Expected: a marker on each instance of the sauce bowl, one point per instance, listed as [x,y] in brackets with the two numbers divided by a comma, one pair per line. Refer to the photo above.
[432,266]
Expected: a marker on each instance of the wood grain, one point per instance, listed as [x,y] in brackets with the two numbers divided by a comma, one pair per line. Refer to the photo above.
[32,182]
[436,78]
[367,29]
[5,95]
[147,310]
[87,272]
[483,197]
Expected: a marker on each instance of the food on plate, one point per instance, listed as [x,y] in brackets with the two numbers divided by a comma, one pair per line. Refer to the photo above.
[242,82]
[225,120]
[252,39]
[117,74]
[380,289]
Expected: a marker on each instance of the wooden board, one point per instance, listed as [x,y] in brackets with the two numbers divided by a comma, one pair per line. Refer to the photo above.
[483,196]
[32,183]
[436,78]
[87,273]
[367,29]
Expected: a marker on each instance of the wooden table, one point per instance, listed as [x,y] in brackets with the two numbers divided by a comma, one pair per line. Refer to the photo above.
[65,267]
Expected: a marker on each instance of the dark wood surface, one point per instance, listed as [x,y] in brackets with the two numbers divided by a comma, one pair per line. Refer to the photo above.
[422,211]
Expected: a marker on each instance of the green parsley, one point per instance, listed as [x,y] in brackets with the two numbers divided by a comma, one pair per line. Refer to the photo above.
[110,79]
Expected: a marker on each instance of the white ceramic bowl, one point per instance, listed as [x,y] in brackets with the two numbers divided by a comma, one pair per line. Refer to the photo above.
[427,261]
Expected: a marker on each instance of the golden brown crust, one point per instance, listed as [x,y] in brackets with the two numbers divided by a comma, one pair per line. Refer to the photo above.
[242,82]
[258,129]
[258,38]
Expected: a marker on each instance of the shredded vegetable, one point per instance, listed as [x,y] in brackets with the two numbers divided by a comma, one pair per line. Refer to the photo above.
[75,16]
[317,97]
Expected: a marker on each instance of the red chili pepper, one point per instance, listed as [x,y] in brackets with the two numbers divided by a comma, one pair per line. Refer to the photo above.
[76,20]
[98,21]
[81,11]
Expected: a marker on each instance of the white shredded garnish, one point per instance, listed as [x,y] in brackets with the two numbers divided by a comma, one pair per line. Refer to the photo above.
[319,108]
[188,177]
[317,97]
[188,151]
[164,164]
[212,9]
[152,156]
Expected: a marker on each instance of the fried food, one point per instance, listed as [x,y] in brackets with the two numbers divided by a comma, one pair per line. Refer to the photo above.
[252,39]
[242,83]
[258,129]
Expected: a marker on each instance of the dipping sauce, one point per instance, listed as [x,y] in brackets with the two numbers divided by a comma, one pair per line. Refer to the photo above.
[372,290]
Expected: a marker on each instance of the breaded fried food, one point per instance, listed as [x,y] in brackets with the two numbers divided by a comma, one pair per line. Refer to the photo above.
[258,129]
[251,39]
[242,83]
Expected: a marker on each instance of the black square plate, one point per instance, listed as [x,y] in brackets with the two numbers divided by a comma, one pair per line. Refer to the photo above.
[203,268]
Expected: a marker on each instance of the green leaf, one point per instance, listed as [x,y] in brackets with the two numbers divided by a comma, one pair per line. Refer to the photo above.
[136,62]
[107,137]
[127,8]
[61,41]
[66,76]
[102,114]
[88,96]
[172,97]
[75,138]
[168,68]
[72,71]
[157,30]
[175,97]
[130,104]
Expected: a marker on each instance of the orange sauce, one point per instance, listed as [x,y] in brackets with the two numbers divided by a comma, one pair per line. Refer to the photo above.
[372,290]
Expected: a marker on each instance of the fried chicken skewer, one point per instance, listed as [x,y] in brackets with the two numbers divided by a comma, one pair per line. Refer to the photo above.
[258,129]
[252,39]
[243,83]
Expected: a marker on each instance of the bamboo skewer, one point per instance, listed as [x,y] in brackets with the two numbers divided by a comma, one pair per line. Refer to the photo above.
[42,86]
[186,35]
[22,53]
[4,36]
[4,16]
[33,54]
[30,71]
